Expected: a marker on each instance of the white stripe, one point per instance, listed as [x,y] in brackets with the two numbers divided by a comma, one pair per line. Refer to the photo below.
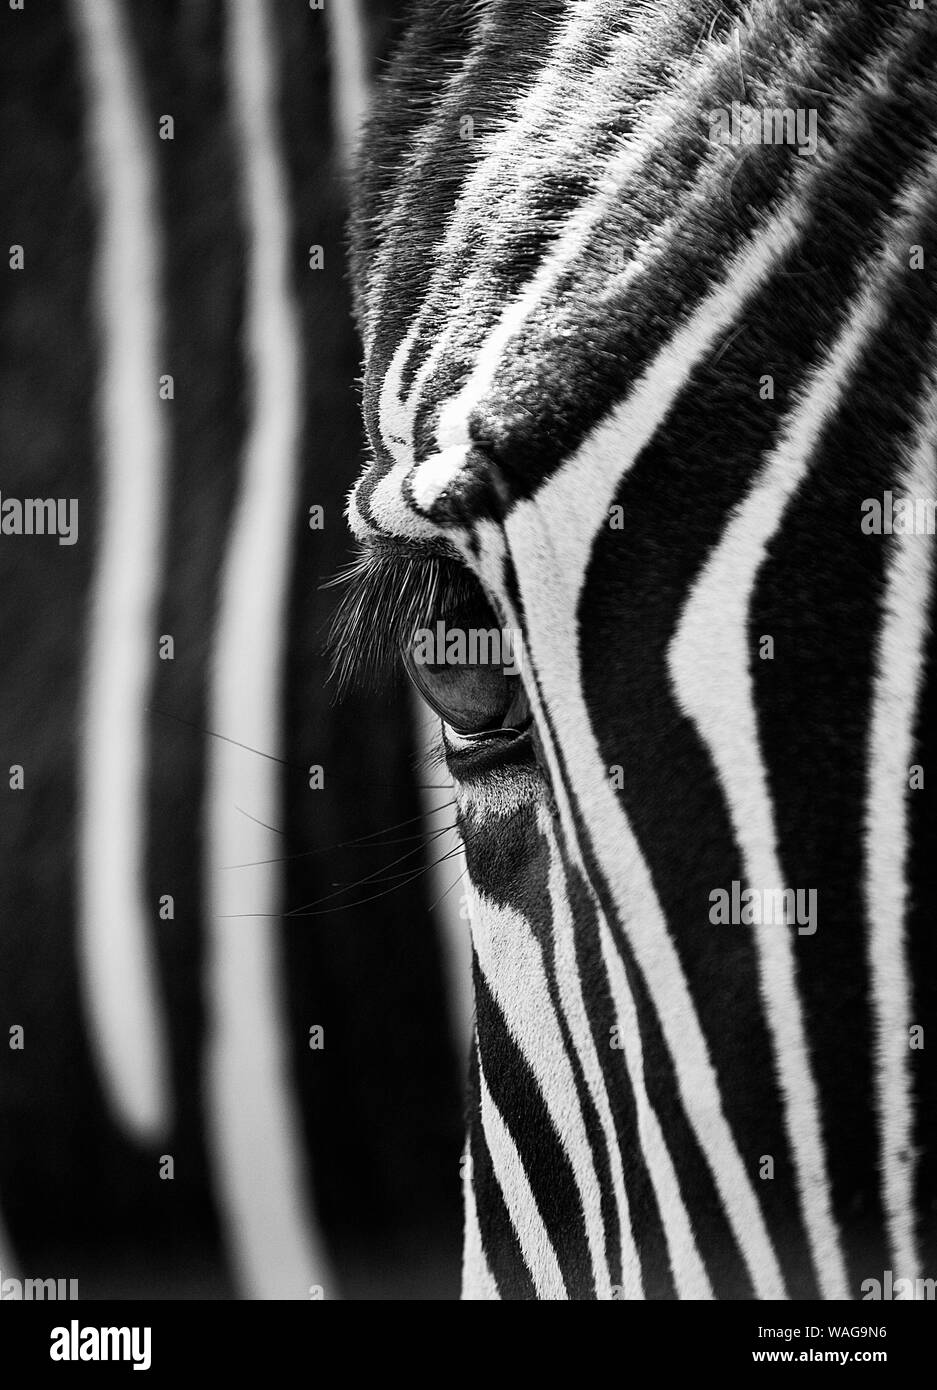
[666,114]
[478,1282]
[510,163]
[569,984]
[446,880]
[551,539]
[396,414]
[511,960]
[419,153]
[388,502]
[896,692]
[710,664]
[255,1134]
[348,75]
[536,1247]
[117,965]
[689,1272]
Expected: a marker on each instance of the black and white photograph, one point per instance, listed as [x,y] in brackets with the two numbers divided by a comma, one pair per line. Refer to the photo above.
[468,585]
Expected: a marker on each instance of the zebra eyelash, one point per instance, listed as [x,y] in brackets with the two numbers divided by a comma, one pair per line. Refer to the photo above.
[389,592]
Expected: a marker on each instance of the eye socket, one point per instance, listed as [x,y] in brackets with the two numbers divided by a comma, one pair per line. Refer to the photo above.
[475,695]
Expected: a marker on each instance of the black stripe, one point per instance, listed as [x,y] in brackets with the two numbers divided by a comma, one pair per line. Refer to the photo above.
[630,605]
[514,48]
[493,856]
[499,1239]
[588,344]
[180,58]
[523,1110]
[646,1224]
[824,604]
[718,1250]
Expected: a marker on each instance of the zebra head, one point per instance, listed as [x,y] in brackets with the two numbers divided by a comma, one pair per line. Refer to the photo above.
[648,336]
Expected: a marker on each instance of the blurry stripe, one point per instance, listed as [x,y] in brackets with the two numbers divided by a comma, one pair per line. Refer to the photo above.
[116,957]
[447,883]
[255,1134]
[898,683]
[7,1261]
[348,75]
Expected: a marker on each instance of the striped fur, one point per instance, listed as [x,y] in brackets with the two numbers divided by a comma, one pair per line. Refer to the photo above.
[570,306]
[189,1036]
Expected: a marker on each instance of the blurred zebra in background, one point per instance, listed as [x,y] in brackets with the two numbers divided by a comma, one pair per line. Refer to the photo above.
[178,360]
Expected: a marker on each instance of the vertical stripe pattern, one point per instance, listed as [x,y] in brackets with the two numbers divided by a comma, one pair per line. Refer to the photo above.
[619,366]
[178,372]
[117,959]
[276,1248]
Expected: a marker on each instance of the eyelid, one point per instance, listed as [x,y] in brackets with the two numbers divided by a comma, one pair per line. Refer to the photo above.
[484,736]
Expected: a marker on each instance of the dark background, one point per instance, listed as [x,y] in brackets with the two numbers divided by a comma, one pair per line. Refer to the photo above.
[380,1104]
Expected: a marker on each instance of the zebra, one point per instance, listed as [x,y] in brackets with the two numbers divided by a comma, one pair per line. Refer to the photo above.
[173,363]
[632,386]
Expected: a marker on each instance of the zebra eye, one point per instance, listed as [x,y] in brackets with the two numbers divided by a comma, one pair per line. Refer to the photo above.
[469,680]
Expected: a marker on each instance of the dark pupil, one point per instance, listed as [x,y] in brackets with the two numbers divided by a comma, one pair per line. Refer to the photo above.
[472,699]
[458,666]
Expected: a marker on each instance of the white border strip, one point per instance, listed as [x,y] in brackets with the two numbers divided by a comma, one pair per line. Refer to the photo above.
[348,76]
